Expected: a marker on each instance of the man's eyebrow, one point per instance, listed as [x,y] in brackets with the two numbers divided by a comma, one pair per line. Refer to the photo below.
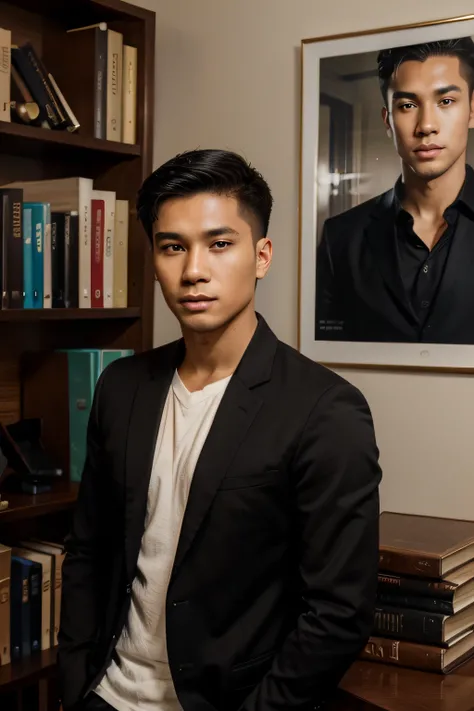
[439,92]
[214,232]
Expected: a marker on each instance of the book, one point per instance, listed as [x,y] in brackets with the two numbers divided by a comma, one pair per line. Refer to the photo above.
[107,254]
[29,71]
[120,254]
[114,85]
[5,606]
[58,260]
[41,262]
[424,657]
[5,74]
[44,560]
[68,195]
[97,252]
[129,94]
[424,546]
[29,248]
[449,594]
[11,246]
[20,609]
[71,259]
[57,559]
[421,626]
[84,65]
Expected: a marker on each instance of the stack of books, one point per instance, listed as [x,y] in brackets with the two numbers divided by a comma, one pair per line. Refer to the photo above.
[97,67]
[424,617]
[63,244]
[30,597]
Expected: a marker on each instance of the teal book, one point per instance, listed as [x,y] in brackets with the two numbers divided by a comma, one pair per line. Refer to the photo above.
[82,377]
[39,226]
[28,288]
[84,368]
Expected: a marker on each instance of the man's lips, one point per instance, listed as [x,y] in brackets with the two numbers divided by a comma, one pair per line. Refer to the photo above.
[197,303]
[430,150]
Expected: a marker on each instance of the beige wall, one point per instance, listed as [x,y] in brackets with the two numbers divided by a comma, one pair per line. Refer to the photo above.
[228,77]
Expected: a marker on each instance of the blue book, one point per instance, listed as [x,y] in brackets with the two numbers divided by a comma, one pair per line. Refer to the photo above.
[20,609]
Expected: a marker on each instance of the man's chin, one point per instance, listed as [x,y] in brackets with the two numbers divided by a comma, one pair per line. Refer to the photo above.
[200,322]
[429,171]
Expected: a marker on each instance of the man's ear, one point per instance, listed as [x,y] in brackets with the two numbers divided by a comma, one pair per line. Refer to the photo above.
[386,121]
[263,253]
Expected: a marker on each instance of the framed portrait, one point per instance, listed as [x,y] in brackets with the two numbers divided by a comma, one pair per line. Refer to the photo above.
[386,262]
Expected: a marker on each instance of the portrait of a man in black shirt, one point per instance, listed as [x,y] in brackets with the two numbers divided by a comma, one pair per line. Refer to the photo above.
[400,266]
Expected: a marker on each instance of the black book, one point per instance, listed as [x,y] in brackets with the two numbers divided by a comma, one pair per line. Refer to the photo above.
[71,260]
[11,248]
[58,260]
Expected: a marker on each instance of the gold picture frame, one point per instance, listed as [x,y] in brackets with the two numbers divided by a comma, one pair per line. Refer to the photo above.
[329,53]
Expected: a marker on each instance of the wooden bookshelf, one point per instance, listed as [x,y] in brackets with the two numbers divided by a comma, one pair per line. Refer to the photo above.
[20,140]
[27,671]
[32,315]
[28,506]
[33,153]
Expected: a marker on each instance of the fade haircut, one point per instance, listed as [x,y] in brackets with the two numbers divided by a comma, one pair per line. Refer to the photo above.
[389,60]
[212,171]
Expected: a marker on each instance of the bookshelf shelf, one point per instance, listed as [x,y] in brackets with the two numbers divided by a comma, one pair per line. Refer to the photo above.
[33,383]
[28,670]
[25,506]
[15,138]
[35,315]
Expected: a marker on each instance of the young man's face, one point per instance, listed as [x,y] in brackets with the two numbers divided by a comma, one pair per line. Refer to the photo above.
[207,260]
[429,113]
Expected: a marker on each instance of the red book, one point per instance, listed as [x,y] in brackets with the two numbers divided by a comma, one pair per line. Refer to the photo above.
[97,253]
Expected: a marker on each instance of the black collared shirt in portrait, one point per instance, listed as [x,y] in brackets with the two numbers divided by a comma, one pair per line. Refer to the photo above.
[421,269]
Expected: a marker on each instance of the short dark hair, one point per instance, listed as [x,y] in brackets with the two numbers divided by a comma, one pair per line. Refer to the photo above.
[389,60]
[209,170]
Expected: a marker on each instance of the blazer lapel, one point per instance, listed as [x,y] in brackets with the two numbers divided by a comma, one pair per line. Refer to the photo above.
[382,241]
[143,428]
[238,408]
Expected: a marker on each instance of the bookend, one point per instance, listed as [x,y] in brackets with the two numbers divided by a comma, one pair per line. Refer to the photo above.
[22,447]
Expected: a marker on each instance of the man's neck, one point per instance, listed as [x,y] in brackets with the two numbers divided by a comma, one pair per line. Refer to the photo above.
[427,200]
[215,355]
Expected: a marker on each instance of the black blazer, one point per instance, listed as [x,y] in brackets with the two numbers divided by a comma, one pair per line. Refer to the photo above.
[359,289]
[273,586]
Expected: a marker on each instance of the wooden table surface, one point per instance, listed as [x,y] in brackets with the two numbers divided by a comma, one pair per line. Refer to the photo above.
[369,686]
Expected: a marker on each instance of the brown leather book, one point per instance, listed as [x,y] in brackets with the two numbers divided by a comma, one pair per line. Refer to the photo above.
[424,657]
[424,546]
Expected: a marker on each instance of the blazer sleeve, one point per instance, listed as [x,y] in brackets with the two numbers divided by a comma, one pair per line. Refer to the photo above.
[80,611]
[336,480]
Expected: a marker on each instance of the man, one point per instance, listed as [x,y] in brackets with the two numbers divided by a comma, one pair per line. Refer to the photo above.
[399,267]
[224,548]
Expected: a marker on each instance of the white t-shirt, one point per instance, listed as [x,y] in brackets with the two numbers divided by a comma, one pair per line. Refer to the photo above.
[140,680]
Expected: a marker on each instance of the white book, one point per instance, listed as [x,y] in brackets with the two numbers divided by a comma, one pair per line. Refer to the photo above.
[129,98]
[121,254]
